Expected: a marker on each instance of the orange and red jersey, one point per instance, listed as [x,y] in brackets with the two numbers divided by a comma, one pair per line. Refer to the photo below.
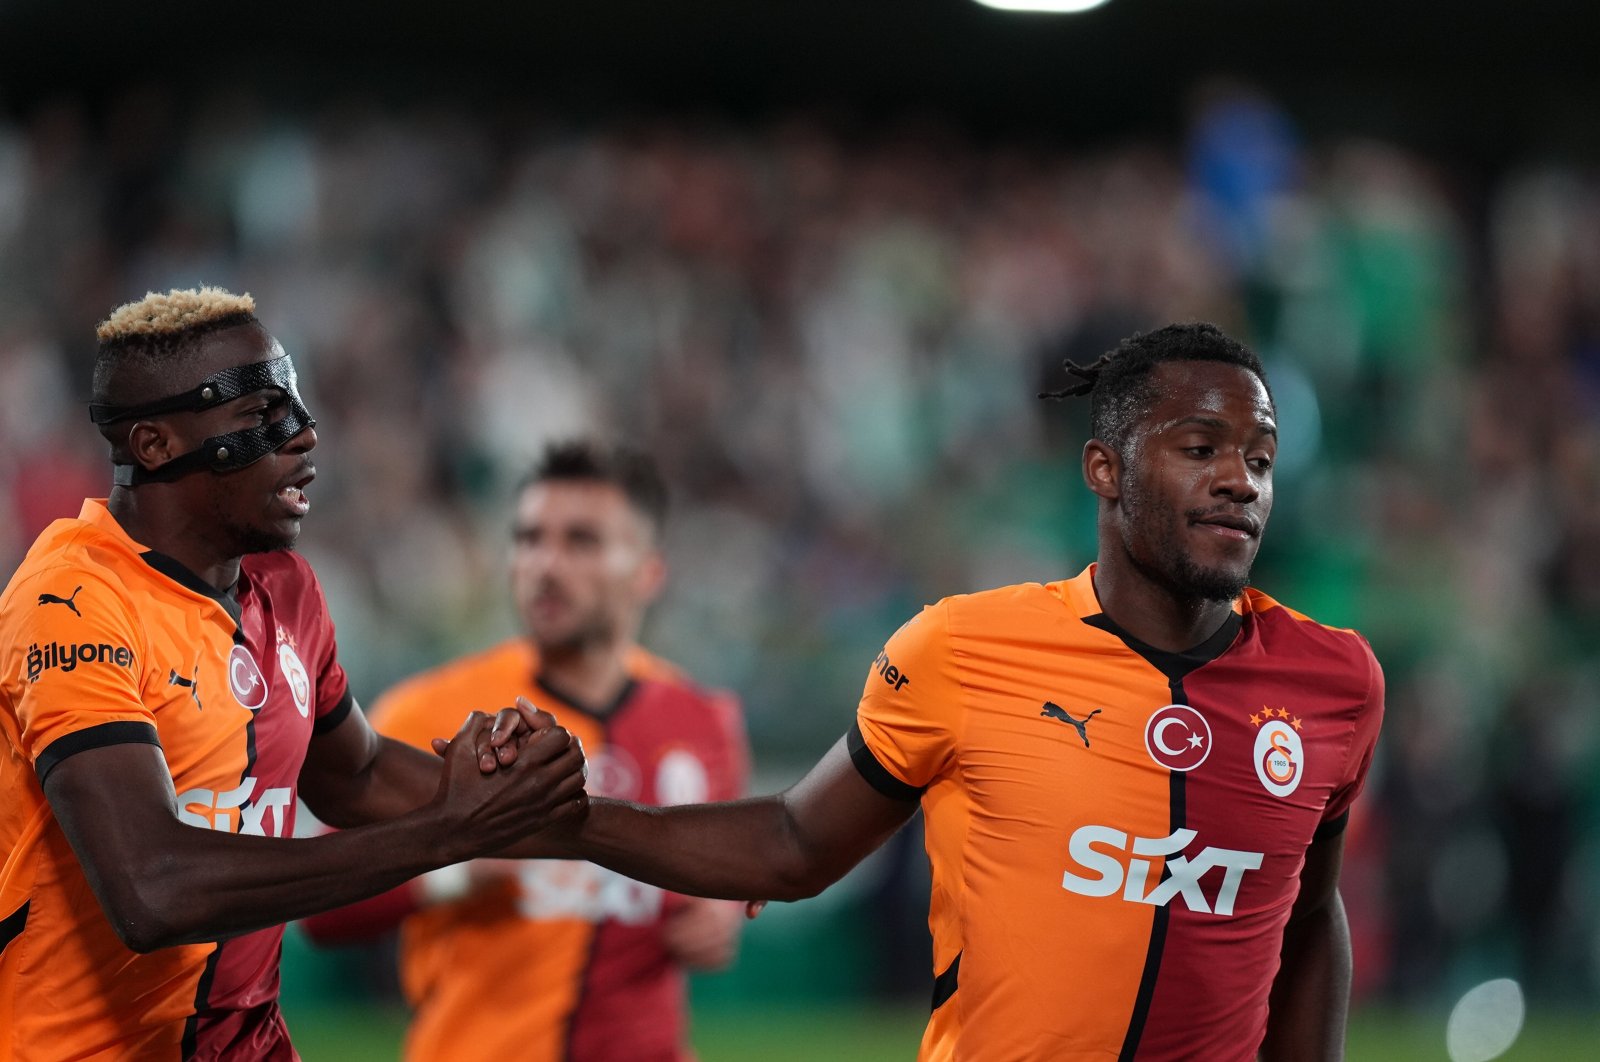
[572,953]
[103,642]
[1116,832]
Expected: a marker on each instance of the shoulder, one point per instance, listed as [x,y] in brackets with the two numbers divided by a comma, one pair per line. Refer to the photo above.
[282,569]
[1285,629]
[996,613]
[67,556]
[457,682]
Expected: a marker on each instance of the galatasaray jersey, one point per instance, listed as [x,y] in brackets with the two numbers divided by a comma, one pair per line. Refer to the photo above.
[105,642]
[572,951]
[1116,832]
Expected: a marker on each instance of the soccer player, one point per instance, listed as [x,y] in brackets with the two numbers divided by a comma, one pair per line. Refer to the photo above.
[168,686]
[1135,780]
[587,965]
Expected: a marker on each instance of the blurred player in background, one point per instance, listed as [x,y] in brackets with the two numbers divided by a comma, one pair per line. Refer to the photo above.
[1135,780]
[169,685]
[553,960]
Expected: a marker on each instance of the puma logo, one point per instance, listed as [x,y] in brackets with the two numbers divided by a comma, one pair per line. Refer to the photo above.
[51,599]
[1055,711]
[193,685]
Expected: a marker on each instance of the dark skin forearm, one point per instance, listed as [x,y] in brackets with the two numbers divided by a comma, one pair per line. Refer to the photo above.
[182,885]
[162,881]
[782,847]
[368,779]
[1310,1000]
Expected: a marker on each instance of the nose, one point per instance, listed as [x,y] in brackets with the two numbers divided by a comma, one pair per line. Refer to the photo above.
[1234,480]
[303,441]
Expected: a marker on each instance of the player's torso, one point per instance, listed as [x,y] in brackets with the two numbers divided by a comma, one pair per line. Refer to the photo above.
[197,675]
[578,945]
[1115,825]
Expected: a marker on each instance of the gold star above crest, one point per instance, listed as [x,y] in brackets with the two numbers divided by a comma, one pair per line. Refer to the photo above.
[1255,719]
[1296,723]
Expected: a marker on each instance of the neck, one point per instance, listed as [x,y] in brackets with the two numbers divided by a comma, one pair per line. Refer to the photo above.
[592,675]
[166,529]
[1151,612]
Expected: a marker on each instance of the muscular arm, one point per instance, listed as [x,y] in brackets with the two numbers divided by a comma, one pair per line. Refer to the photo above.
[787,846]
[353,775]
[1310,999]
[162,882]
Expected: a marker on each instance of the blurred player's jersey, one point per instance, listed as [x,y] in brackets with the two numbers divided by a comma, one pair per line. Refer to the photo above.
[1116,832]
[103,642]
[566,963]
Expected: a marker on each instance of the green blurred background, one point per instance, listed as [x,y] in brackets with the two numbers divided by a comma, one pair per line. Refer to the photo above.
[818,258]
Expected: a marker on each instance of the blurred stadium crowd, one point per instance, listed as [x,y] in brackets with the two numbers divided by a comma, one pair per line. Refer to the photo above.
[831,337]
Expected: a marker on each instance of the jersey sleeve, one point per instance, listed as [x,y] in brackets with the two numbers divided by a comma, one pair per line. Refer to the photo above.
[75,660]
[906,724]
[334,697]
[1362,750]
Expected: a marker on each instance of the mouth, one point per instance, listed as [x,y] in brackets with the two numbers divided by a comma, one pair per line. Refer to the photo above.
[293,493]
[1234,525]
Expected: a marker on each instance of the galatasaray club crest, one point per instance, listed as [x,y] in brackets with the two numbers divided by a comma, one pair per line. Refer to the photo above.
[295,672]
[1280,755]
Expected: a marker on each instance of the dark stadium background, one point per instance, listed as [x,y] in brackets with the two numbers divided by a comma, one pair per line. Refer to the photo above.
[1398,203]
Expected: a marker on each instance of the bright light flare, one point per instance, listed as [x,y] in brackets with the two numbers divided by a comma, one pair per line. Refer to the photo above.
[1048,7]
[1485,1022]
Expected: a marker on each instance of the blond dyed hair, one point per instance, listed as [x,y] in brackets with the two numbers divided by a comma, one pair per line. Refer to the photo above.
[179,311]
[141,340]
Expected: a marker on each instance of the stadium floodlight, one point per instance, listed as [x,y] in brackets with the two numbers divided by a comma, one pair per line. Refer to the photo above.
[1048,7]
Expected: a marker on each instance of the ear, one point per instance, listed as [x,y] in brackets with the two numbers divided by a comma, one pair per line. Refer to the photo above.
[1102,469]
[152,443]
[652,577]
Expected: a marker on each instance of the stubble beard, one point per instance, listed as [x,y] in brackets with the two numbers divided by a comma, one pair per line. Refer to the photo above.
[1156,551]
[246,539]
[590,631]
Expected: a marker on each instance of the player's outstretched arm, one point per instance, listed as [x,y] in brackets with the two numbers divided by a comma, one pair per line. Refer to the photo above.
[783,847]
[163,882]
[1310,999]
[353,775]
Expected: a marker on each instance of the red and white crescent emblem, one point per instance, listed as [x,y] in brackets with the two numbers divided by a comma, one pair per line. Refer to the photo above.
[244,678]
[1178,737]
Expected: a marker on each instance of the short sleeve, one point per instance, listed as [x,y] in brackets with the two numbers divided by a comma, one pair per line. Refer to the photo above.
[332,685]
[74,664]
[1362,749]
[904,737]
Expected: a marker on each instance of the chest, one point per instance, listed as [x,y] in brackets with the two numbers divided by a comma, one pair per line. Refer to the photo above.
[1105,773]
[655,752]
[234,713]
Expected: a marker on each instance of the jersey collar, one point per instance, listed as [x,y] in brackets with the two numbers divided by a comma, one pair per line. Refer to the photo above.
[96,514]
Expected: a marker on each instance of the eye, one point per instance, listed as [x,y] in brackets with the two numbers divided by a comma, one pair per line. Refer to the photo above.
[1261,463]
[1202,451]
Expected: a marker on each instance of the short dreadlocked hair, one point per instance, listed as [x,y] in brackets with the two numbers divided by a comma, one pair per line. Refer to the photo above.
[587,460]
[1119,385]
[142,338]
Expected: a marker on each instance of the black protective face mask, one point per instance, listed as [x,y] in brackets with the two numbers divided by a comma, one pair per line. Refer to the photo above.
[219,453]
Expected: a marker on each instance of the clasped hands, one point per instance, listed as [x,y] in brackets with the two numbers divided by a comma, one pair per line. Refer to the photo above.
[529,773]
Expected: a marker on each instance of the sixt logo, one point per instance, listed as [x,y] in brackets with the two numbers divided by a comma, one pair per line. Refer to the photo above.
[559,889]
[67,657]
[234,812]
[1101,850]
